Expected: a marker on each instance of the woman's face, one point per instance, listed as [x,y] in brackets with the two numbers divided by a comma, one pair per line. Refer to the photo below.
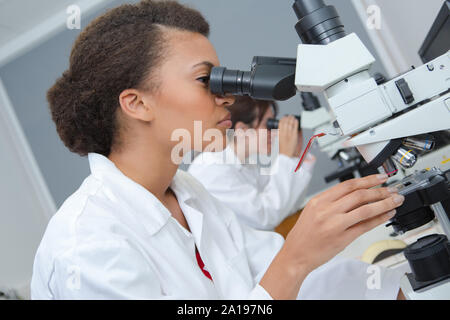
[263,143]
[183,95]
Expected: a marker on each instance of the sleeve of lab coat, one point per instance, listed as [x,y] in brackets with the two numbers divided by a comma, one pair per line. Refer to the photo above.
[351,279]
[261,247]
[338,279]
[262,209]
[105,270]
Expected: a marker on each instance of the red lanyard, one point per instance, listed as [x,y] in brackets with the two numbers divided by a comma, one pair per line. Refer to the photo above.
[201,264]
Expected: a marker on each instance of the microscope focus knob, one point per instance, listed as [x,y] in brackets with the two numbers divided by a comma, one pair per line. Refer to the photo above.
[429,259]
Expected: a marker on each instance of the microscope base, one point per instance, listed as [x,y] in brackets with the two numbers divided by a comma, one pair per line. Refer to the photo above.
[438,291]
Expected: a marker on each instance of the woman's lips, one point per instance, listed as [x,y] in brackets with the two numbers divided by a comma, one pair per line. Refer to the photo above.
[226,121]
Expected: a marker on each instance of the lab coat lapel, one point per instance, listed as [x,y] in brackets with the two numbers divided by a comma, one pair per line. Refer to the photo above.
[225,261]
[228,267]
[146,208]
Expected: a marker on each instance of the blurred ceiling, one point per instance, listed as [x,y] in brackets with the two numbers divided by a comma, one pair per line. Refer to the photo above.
[19,16]
[26,23]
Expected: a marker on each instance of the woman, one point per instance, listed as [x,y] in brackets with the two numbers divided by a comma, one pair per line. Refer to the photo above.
[139,228]
[269,198]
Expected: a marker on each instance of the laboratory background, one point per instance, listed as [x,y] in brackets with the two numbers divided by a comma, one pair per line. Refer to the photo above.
[37,173]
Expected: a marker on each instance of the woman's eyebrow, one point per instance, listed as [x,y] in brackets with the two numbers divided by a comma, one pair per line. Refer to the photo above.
[204,63]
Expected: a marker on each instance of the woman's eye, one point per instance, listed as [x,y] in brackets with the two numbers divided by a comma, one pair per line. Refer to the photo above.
[204,79]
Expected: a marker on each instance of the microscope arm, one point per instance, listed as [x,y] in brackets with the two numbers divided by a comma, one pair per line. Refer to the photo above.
[432,116]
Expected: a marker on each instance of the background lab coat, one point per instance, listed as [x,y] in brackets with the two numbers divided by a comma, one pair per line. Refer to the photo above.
[112,239]
[260,201]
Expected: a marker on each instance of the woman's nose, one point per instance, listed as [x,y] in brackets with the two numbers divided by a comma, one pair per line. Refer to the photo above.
[225,100]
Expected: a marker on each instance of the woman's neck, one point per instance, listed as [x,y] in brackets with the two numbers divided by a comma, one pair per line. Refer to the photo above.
[147,165]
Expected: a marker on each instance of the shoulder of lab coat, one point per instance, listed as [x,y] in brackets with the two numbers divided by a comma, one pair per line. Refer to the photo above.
[94,248]
[90,249]
[237,186]
[85,253]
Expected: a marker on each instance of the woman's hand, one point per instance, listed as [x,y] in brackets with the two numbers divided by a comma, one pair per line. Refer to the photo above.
[298,149]
[336,217]
[288,135]
[328,223]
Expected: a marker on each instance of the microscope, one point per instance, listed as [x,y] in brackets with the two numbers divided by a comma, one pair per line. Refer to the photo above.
[388,125]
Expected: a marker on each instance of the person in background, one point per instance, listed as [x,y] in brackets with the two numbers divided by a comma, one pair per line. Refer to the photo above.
[261,201]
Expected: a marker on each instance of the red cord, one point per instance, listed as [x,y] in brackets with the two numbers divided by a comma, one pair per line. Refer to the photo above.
[307,148]
[201,264]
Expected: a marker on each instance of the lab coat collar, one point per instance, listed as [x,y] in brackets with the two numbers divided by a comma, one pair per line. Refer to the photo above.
[198,213]
[231,156]
[150,212]
[188,205]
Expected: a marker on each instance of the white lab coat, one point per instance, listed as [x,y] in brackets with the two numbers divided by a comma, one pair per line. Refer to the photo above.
[112,239]
[260,201]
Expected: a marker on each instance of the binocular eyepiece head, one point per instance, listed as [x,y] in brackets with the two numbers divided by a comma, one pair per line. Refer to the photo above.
[273,78]
[270,78]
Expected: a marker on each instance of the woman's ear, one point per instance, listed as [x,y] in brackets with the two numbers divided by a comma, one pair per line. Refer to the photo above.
[134,105]
[240,125]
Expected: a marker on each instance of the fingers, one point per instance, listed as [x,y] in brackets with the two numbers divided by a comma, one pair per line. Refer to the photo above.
[372,210]
[349,186]
[360,197]
[288,124]
[293,123]
[287,136]
[359,229]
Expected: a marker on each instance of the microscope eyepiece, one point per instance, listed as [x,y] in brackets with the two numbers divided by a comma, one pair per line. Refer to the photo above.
[270,78]
[224,81]
[318,23]
[272,123]
[305,7]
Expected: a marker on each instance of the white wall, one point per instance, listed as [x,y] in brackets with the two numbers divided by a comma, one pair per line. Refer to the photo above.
[404,26]
[25,203]
[409,21]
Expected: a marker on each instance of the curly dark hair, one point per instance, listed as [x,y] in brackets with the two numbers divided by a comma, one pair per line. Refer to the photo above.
[116,51]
